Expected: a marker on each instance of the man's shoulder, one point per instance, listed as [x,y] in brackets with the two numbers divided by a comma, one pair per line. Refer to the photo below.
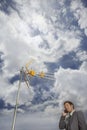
[78,112]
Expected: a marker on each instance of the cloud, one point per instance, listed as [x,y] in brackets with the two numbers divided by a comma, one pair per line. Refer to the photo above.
[19,45]
[70,60]
[68,83]
[80,12]
[50,33]
[32,121]
[84,66]
[20,34]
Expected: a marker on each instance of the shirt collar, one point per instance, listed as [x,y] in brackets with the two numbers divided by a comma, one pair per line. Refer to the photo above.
[71,113]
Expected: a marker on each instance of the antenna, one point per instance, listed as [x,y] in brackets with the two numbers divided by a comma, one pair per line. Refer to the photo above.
[17,97]
[25,73]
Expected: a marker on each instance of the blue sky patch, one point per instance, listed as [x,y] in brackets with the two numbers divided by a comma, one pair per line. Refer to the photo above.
[14,79]
[84,2]
[6,5]
[51,66]
[70,61]
[83,45]
[2,103]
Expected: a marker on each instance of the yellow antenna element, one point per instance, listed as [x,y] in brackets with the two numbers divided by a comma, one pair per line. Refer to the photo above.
[42,74]
[27,65]
[31,72]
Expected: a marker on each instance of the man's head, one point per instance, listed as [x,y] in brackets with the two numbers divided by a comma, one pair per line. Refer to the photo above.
[69,106]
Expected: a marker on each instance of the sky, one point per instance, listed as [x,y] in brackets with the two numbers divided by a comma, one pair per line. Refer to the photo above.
[53,35]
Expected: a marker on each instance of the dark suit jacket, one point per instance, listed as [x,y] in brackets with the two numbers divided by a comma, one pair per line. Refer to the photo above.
[77,122]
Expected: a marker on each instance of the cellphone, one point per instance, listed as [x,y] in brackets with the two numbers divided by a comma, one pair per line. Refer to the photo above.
[65,111]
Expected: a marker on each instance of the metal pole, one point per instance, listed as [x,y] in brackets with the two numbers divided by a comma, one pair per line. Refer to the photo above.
[16,106]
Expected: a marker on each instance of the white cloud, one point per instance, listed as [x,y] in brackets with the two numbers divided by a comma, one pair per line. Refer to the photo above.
[51,111]
[29,121]
[82,55]
[19,46]
[83,67]
[21,35]
[9,92]
[80,12]
[25,94]
[39,22]
[69,83]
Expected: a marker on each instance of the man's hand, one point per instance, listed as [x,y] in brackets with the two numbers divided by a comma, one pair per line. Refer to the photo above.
[64,114]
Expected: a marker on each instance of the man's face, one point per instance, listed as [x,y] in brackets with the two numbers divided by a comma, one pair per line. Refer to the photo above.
[68,107]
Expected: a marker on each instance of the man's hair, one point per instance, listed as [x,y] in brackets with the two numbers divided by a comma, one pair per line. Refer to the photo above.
[69,102]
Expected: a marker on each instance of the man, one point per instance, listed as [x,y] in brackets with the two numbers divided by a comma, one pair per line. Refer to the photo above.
[72,119]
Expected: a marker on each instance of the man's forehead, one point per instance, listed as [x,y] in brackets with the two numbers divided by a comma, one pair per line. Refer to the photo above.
[66,104]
